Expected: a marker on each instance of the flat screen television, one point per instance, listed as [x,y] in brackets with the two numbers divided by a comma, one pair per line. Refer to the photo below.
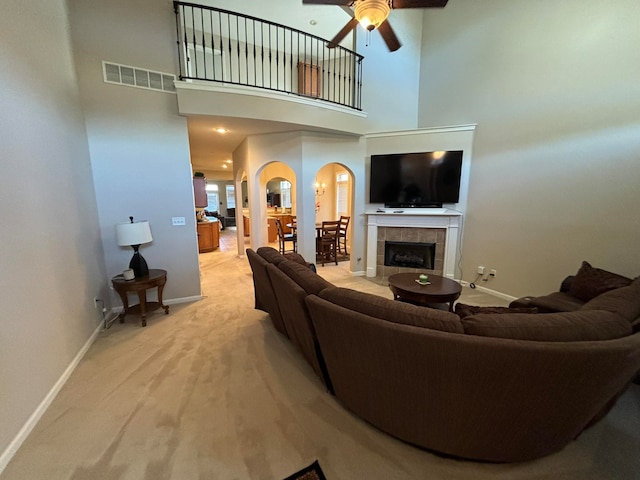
[426,179]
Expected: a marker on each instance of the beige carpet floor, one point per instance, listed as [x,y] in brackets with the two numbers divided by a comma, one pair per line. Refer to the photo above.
[212,391]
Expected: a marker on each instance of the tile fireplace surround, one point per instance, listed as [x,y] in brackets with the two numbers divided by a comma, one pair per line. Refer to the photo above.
[438,225]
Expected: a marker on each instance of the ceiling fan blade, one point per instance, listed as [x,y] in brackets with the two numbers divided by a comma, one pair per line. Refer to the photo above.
[419,3]
[389,36]
[343,33]
[326,2]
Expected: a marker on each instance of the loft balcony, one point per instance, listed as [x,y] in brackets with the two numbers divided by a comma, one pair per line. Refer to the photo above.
[237,65]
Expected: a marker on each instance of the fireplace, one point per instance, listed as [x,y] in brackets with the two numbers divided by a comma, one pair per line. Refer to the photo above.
[410,254]
[438,226]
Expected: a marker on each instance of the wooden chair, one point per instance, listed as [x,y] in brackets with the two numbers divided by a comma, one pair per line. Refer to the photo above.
[283,238]
[328,241]
[342,234]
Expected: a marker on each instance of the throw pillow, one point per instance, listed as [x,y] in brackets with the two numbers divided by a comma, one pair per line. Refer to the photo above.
[590,282]
[463,310]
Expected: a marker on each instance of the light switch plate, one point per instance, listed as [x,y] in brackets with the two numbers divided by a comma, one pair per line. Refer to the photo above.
[178,221]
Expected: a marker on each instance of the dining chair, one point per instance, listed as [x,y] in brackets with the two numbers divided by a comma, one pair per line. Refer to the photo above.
[342,234]
[283,238]
[328,242]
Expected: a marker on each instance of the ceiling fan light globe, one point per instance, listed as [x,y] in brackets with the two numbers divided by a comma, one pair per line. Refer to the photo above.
[371,13]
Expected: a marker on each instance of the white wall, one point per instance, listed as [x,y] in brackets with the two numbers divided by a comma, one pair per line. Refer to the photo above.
[329,19]
[138,142]
[554,89]
[51,256]
[391,80]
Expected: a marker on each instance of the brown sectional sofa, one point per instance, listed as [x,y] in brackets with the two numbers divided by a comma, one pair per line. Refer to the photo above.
[494,387]
[575,290]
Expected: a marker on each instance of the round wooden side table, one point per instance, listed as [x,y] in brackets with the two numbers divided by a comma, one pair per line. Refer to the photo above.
[156,279]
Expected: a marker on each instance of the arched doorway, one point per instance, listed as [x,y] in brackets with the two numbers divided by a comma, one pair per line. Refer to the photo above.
[274,193]
[334,186]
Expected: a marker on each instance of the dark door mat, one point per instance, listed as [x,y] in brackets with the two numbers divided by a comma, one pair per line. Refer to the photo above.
[312,472]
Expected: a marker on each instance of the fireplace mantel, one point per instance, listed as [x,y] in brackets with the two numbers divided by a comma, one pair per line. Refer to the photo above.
[450,220]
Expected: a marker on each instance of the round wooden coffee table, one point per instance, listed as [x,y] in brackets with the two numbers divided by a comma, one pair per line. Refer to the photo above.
[439,290]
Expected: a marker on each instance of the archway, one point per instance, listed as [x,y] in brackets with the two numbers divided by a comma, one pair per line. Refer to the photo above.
[275,191]
[334,191]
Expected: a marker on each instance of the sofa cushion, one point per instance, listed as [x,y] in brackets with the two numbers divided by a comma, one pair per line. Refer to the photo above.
[270,254]
[392,311]
[463,310]
[296,257]
[549,327]
[310,281]
[623,301]
[590,282]
[264,293]
[557,302]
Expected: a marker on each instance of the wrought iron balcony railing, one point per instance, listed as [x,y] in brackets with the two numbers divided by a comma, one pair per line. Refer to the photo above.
[222,46]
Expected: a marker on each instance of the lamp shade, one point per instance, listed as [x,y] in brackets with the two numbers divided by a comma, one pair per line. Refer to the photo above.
[372,13]
[133,233]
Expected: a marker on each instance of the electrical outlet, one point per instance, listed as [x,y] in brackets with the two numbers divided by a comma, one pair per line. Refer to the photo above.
[492,273]
[480,270]
[178,221]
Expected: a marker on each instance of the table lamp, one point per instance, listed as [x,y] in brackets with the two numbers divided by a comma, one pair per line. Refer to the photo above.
[134,234]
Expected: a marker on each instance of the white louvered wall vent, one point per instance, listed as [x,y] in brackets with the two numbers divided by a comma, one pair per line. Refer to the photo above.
[138,77]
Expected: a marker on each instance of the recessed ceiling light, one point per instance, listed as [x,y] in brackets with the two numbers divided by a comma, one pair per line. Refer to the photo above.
[312,22]
[227,161]
[224,165]
[221,130]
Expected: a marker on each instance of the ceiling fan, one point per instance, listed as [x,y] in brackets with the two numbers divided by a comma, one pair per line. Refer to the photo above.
[372,14]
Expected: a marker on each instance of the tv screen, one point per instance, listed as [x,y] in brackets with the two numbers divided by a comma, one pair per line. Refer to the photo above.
[426,179]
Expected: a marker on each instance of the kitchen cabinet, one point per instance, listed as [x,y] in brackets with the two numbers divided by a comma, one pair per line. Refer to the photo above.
[208,236]
[246,223]
[200,192]
[272,231]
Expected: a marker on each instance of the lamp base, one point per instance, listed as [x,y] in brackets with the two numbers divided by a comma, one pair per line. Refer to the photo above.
[138,264]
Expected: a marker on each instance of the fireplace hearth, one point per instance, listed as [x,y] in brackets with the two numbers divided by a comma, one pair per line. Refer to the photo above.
[409,254]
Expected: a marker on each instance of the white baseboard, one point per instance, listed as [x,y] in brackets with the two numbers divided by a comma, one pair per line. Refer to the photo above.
[32,421]
[174,301]
[495,293]
[171,301]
